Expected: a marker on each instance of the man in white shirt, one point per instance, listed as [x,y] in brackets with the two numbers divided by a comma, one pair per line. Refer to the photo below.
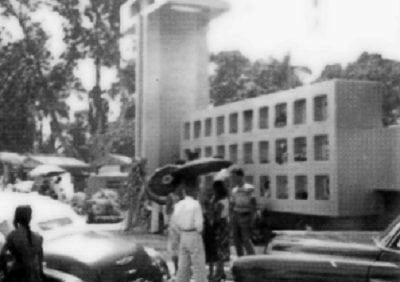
[244,208]
[188,219]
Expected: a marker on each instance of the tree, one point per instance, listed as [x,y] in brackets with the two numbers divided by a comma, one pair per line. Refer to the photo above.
[373,67]
[32,86]
[225,84]
[274,75]
[237,78]
[94,32]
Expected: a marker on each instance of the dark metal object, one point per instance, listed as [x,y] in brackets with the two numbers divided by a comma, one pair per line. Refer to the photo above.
[201,166]
[313,256]
[161,184]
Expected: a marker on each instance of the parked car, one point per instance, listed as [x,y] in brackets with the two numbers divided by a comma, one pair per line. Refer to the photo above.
[104,207]
[310,258]
[72,247]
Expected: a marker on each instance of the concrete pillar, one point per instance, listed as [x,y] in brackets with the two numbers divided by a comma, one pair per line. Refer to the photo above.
[172,79]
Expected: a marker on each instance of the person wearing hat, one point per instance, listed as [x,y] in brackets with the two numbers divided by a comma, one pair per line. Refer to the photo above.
[187,217]
[244,208]
[26,248]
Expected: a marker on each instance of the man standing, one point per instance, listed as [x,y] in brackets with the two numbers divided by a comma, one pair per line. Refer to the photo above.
[244,208]
[188,219]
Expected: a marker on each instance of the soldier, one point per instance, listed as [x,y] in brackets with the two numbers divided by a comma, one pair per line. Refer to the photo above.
[244,207]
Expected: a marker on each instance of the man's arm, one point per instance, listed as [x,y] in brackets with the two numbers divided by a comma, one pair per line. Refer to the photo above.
[198,217]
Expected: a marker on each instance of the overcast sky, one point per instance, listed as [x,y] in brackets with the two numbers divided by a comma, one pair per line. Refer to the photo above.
[314,32]
[315,35]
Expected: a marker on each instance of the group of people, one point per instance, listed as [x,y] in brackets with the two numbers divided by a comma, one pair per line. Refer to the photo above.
[199,233]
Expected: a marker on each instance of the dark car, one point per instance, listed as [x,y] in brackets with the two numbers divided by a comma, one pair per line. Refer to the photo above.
[72,247]
[310,258]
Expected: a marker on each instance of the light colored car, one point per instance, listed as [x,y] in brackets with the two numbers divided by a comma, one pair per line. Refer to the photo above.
[72,247]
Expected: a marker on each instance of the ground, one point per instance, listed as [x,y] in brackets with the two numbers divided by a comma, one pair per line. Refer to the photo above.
[159,242]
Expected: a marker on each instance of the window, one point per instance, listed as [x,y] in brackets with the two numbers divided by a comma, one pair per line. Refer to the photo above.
[186,130]
[280,115]
[247,120]
[233,123]
[263,151]
[281,155]
[197,129]
[248,153]
[221,151]
[198,152]
[263,118]
[321,148]
[299,111]
[265,186]
[233,153]
[300,149]
[192,155]
[282,190]
[220,125]
[208,125]
[208,152]
[322,191]
[249,179]
[300,187]
[320,108]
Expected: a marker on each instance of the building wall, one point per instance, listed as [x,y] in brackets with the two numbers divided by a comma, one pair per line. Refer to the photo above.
[343,176]
[183,86]
[172,78]
[309,129]
[363,159]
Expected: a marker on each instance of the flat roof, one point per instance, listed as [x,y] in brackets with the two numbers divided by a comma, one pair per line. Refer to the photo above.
[216,7]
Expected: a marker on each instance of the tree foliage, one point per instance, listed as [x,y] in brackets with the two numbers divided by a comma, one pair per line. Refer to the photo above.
[93,31]
[373,67]
[32,86]
[236,77]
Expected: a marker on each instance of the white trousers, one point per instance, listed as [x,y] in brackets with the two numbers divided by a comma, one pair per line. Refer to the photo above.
[191,254]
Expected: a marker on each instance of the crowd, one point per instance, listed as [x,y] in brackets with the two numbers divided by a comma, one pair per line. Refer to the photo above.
[200,231]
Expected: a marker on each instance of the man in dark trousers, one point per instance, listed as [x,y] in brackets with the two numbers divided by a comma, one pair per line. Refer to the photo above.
[244,208]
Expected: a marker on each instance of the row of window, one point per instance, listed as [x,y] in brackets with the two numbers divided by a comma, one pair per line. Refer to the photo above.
[301,186]
[299,117]
[321,151]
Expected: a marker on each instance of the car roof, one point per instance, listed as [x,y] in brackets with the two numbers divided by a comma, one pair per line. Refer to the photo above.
[42,207]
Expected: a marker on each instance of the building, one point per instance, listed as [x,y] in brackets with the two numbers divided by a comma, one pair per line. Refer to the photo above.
[171,67]
[318,150]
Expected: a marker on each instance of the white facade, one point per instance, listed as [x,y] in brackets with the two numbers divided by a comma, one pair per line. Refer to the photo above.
[327,157]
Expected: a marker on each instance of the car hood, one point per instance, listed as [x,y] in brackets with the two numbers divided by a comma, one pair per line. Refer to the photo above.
[92,247]
[335,244]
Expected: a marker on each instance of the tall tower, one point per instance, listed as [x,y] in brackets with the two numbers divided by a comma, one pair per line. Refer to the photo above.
[171,77]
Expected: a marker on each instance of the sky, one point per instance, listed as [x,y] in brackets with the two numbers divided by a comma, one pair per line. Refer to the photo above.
[334,31]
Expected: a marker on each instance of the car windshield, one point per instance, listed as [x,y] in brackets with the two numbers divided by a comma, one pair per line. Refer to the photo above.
[390,230]
[55,223]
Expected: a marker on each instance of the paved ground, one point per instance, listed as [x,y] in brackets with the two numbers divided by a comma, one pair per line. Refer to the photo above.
[159,242]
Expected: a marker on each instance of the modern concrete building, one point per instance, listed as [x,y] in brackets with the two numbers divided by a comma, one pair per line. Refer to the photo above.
[315,150]
[171,76]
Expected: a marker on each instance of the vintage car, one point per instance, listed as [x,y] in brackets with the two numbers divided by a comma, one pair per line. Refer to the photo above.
[73,249]
[104,207]
[311,258]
